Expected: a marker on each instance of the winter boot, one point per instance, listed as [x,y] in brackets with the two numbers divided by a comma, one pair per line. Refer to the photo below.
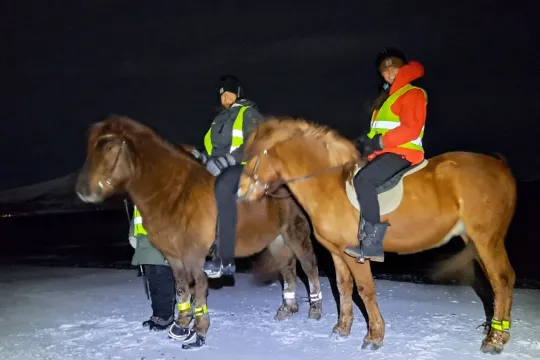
[370,244]
[156,323]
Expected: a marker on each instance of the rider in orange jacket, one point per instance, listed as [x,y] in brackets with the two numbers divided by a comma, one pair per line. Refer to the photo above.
[393,144]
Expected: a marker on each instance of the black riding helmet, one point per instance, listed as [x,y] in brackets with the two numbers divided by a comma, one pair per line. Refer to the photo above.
[232,84]
[389,52]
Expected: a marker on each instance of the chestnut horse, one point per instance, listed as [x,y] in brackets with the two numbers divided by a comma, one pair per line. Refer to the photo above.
[174,194]
[453,194]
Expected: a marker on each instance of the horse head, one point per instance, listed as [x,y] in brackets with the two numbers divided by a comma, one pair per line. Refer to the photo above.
[111,160]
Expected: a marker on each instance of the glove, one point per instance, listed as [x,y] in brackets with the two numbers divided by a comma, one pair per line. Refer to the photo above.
[216,165]
[199,156]
[359,142]
[371,145]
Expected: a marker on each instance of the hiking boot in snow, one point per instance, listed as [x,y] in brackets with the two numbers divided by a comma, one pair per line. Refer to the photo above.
[156,323]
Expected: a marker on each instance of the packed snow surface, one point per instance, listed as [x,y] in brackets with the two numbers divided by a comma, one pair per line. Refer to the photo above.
[81,313]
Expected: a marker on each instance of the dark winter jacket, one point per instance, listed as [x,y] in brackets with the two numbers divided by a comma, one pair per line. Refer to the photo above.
[222,127]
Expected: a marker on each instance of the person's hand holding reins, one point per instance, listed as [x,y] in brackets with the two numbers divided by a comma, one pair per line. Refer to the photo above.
[217,164]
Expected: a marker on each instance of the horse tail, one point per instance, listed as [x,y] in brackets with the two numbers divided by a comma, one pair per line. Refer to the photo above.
[459,267]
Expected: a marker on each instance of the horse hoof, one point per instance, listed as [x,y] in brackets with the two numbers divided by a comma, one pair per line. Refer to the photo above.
[314,315]
[338,335]
[285,311]
[491,349]
[371,345]
[282,315]
[195,345]
[315,311]
[177,332]
[193,341]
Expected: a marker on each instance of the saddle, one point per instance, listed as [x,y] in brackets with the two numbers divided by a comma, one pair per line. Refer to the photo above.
[390,193]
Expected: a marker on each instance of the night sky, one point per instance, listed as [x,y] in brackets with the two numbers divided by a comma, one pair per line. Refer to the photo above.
[66,64]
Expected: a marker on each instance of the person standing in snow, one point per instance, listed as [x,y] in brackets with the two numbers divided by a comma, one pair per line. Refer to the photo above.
[222,155]
[159,275]
[393,143]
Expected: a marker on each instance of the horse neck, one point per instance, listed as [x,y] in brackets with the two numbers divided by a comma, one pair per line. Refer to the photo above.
[322,182]
[162,174]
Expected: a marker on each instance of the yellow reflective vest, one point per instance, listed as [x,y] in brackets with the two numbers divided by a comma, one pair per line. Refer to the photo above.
[138,228]
[237,133]
[386,120]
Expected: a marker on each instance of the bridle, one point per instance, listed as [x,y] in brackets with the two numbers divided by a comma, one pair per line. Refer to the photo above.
[270,188]
[107,182]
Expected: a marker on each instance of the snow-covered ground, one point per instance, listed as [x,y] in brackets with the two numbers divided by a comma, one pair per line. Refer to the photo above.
[81,313]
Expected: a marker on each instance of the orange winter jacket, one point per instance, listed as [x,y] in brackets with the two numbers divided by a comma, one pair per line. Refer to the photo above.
[411,109]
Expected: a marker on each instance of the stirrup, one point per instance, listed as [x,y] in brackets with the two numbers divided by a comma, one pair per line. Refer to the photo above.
[358,255]
[210,268]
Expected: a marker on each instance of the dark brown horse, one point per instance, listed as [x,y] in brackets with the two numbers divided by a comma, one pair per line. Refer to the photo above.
[174,194]
[453,194]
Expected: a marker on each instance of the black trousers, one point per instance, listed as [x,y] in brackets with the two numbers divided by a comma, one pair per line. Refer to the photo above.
[162,290]
[225,190]
[374,174]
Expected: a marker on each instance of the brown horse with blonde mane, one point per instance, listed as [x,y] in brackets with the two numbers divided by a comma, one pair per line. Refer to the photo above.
[174,194]
[454,194]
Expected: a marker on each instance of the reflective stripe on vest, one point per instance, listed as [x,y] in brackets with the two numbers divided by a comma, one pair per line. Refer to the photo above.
[237,133]
[138,228]
[386,120]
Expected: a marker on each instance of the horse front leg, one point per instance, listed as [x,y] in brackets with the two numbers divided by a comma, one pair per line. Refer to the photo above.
[366,289]
[179,330]
[197,335]
[345,285]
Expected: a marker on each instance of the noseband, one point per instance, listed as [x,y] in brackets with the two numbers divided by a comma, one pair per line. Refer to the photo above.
[256,184]
[102,185]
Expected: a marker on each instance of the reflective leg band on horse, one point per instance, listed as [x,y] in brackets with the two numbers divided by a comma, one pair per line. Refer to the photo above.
[315,296]
[200,311]
[499,325]
[180,328]
[289,295]
[184,306]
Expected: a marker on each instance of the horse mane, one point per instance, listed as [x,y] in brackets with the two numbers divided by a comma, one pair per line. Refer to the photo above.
[274,130]
[137,133]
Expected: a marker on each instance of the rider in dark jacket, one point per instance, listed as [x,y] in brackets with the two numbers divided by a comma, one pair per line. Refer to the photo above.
[223,156]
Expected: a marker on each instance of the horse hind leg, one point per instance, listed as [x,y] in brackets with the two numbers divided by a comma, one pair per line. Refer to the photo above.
[280,255]
[289,305]
[494,260]
[488,234]
[179,330]
[297,236]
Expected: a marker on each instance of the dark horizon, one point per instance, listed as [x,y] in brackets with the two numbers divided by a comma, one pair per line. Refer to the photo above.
[67,65]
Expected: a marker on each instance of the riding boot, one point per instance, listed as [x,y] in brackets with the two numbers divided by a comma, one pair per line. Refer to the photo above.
[370,244]
[216,267]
